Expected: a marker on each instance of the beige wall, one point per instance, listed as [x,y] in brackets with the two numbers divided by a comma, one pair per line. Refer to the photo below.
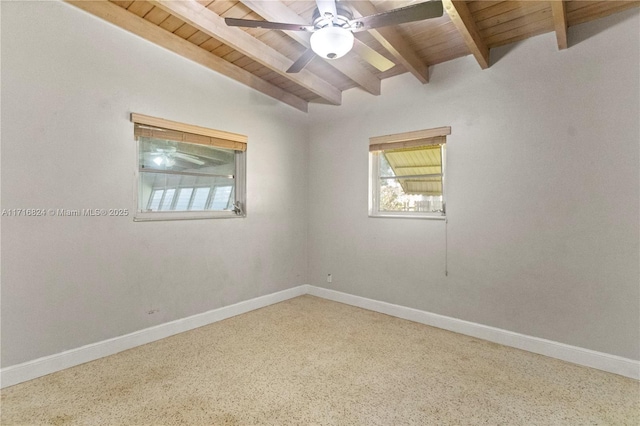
[542,184]
[69,82]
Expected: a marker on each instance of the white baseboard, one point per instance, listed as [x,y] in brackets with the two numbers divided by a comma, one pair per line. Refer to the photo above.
[50,364]
[586,357]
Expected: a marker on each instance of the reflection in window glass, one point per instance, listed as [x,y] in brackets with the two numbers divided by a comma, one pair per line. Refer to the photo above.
[188,172]
[168,199]
[221,198]
[183,199]
[154,202]
[190,176]
[200,198]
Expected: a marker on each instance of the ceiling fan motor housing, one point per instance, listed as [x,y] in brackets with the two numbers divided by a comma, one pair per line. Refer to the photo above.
[331,42]
[342,19]
[332,37]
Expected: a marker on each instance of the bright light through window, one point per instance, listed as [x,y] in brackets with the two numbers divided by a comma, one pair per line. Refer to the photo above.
[200,198]
[407,174]
[190,173]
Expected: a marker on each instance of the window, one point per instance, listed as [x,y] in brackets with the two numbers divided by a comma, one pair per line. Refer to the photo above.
[188,172]
[406,174]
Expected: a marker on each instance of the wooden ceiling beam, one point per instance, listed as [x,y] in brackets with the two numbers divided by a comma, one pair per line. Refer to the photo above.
[394,42]
[559,13]
[463,20]
[275,10]
[128,21]
[213,25]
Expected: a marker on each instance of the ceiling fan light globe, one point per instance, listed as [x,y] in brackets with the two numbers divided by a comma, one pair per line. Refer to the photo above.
[331,42]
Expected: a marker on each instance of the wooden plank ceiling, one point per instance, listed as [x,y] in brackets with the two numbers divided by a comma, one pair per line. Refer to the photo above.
[259,57]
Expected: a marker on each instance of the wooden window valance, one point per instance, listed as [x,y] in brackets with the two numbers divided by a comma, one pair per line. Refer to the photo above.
[159,128]
[437,136]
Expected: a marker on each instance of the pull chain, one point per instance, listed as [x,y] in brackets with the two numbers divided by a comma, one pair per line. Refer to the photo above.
[446,248]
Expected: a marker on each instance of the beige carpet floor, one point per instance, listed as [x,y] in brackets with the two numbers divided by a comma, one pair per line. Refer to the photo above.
[309,361]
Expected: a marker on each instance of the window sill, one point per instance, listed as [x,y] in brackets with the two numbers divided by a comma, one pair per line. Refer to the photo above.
[158,216]
[407,216]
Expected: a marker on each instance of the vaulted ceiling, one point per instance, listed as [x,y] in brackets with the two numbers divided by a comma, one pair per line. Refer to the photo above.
[259,57]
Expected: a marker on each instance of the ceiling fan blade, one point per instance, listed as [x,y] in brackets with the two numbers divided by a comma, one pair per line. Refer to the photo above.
[250,23]
[327,6]
[189,158]
[415,12]
[372,57]
[301,62]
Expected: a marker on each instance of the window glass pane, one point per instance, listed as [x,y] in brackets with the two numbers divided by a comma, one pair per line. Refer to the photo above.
[410,195]
[154,202]
[159,154]
[200,198]
[410,180]
[184,196]
[385,168]
[411,161]
[168,199]
[182,187]
[189,175]
[181,176]
[221,197]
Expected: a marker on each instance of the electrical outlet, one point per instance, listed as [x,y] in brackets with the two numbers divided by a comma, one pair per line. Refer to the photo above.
[329,278]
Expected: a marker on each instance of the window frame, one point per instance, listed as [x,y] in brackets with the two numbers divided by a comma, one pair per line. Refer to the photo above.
[203,136]
[416,139]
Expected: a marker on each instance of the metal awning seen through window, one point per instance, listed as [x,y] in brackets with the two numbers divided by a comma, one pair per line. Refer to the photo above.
[407,173]
[418,170]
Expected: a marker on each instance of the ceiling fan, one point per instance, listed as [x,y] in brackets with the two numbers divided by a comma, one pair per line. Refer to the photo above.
[333,27]
[167,156]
